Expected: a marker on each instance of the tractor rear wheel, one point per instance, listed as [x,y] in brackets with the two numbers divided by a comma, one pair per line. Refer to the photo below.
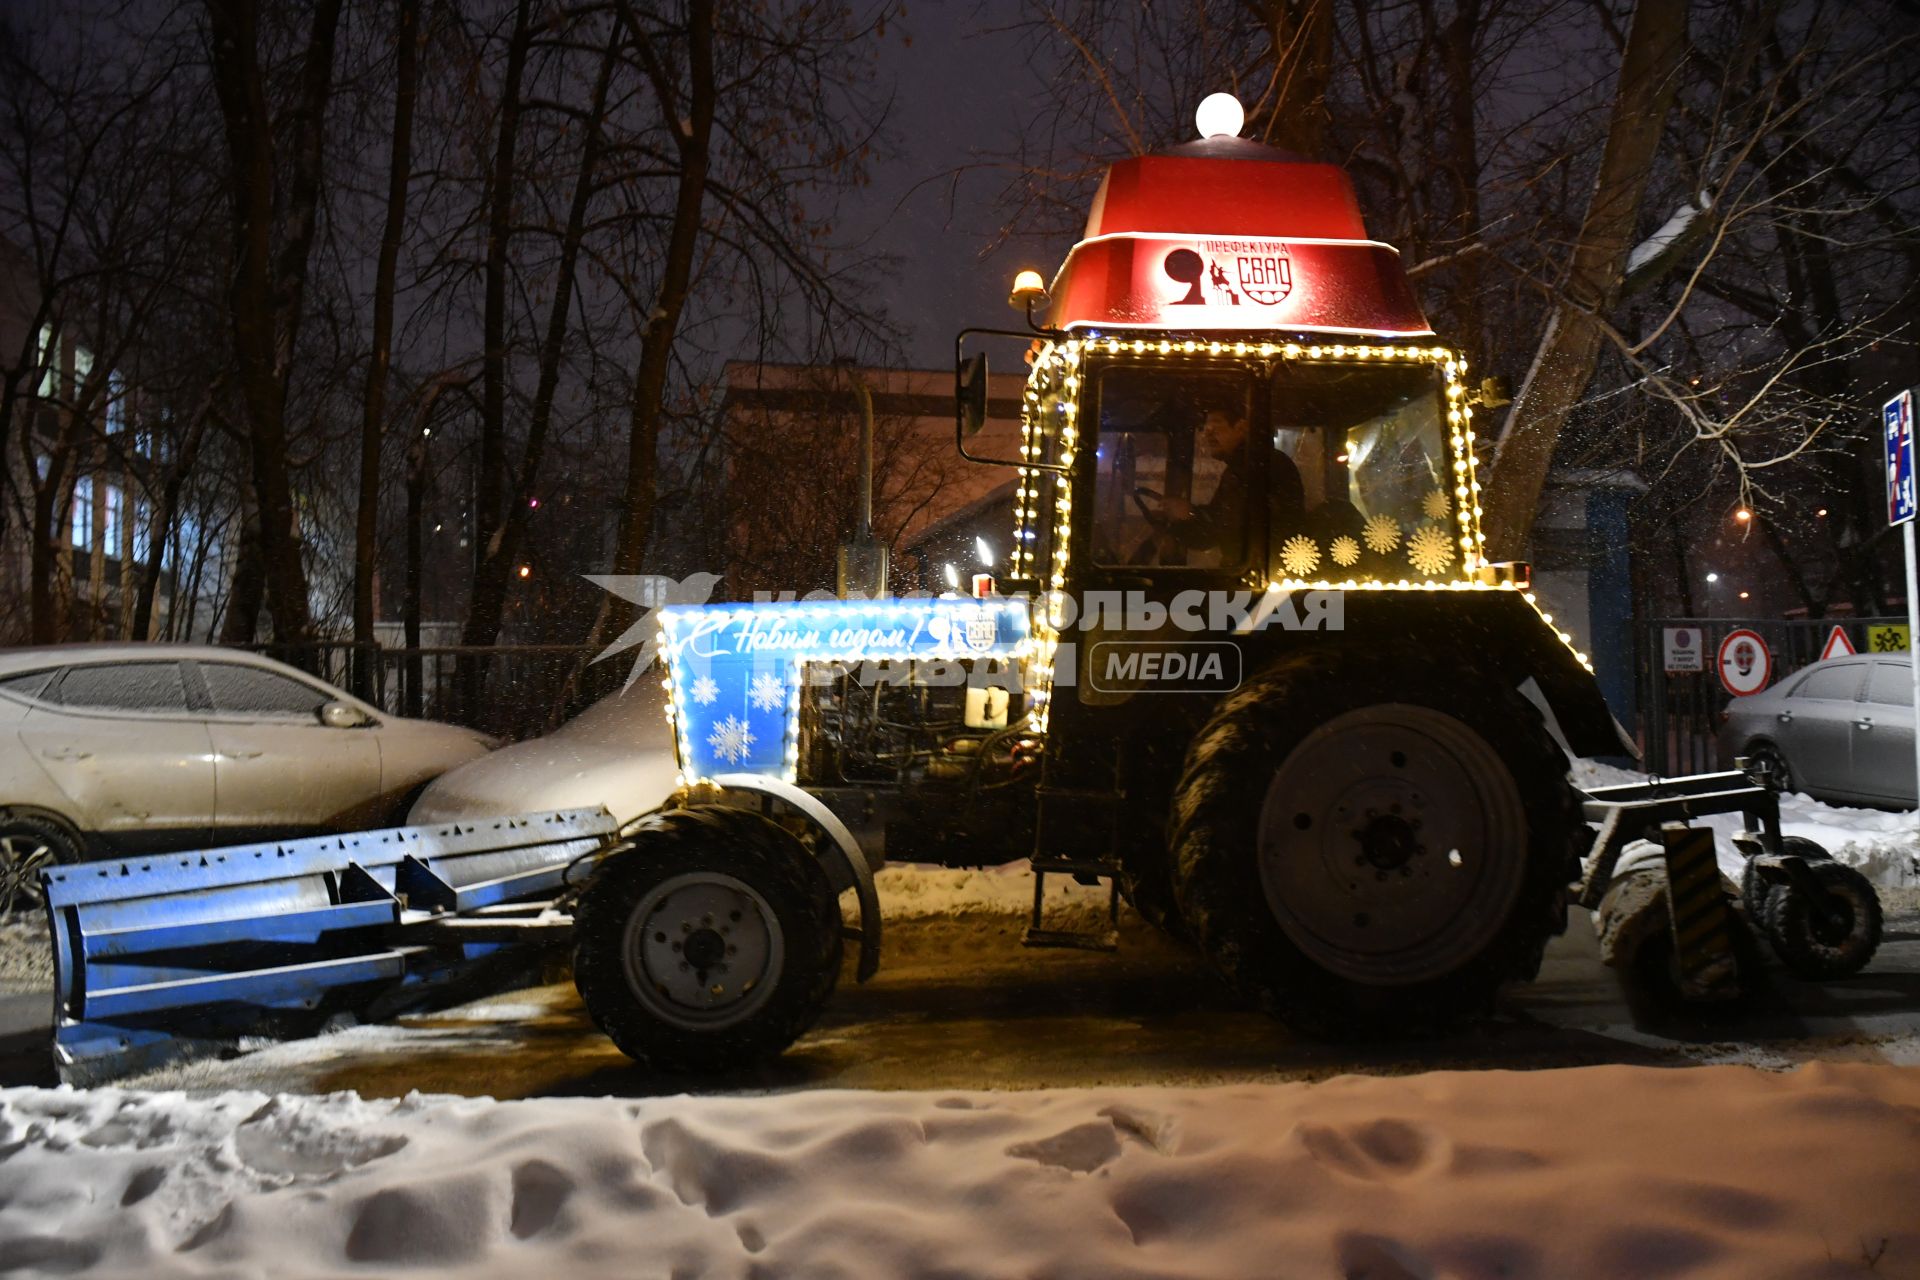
[1364,849]
[711,945]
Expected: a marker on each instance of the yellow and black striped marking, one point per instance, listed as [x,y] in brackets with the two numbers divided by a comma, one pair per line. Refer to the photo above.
[1700,915]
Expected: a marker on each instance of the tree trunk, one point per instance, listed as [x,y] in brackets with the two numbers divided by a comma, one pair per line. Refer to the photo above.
[267,290]
[491,579]
[373,420]
[656,347]
[1569,350]
[242,623]
[1300,33]
[492,479]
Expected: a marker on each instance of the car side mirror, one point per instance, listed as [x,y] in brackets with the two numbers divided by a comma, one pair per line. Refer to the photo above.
[342,715]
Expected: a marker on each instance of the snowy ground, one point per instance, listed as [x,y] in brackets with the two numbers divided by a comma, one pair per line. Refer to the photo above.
[1602,1172]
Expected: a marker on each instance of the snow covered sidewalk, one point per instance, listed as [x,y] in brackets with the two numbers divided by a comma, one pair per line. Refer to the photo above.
[1603,1171]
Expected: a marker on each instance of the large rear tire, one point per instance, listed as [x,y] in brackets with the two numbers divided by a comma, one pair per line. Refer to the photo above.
[1371,847]
[711,945]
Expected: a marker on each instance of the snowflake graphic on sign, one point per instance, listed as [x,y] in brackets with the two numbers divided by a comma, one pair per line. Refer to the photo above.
[705,691]
[731,739]
[1345,551]
[766,692]
[1436,505]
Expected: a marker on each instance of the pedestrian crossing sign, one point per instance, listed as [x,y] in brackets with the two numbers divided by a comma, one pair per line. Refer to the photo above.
[1890,638]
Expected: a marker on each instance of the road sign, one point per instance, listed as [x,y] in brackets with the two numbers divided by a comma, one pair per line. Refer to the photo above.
[1686,650]
[1897,416]
[1745,662]
[1839,645]
[1891,638]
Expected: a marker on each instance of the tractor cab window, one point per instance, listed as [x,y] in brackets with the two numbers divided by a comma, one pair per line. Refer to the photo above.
[1170,485]
[1363,487]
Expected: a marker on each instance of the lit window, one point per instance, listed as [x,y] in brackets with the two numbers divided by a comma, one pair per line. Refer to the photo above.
[83,513]
[116,403]
[82,368]
[46,358]
[110,536]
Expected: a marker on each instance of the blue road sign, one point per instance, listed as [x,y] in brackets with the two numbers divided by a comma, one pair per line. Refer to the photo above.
[1897,416]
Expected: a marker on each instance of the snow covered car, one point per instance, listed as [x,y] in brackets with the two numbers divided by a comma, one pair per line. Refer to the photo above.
[1840,730]
[130,748]
[618,754]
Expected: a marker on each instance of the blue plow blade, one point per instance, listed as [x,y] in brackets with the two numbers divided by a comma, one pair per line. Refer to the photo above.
[182,954]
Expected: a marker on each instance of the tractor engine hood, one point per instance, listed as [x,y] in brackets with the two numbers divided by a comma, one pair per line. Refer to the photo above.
[1230,234]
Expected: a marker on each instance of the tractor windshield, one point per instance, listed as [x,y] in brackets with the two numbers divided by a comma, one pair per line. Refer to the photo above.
[1359,484]
[1362,484]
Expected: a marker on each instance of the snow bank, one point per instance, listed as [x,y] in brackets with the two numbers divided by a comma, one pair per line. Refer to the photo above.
[1884,845]
[1601,1171]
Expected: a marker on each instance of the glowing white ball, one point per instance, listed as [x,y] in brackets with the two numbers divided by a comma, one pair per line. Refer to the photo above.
[1219,116]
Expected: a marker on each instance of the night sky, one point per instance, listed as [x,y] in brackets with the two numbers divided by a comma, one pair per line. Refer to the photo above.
[962,90]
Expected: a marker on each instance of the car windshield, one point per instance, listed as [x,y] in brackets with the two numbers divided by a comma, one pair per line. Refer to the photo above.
[1359,480]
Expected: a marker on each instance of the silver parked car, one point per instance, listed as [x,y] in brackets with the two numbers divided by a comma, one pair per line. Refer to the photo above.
[128,748]
[1839,730]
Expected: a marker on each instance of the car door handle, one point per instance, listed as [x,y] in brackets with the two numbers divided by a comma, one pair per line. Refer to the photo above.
[65,753]
[1863,724]
[1785,717]
[239,755]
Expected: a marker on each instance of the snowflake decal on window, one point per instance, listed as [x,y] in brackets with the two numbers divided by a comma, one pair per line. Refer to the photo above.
[731,739]
[766,692]
[1299,556]
[1382,533]
[1436,505]
[705,691]
[1344,551]
[1429,550]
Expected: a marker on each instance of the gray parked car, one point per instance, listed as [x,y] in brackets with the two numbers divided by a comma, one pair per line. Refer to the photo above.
[1839,730]
[129,748]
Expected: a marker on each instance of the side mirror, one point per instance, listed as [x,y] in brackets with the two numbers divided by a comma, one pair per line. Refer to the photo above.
[970,393]
[342,715]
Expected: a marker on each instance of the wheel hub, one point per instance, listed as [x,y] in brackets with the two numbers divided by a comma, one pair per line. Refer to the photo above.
[1392,844]
[1389,842]
[703,950]
[21,860]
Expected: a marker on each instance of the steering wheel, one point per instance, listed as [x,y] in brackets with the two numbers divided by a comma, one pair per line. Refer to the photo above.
[1154,518]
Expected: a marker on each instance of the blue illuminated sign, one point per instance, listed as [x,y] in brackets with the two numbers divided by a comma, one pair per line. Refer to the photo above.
[735,671]
[1897,416]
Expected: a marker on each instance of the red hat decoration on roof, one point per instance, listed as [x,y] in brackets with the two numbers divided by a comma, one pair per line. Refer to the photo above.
[1230,234]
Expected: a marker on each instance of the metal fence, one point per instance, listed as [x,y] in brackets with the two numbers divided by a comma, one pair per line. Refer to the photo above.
[511,691]
[1680,713]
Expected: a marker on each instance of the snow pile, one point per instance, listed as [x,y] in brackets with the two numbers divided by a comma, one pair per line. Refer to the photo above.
[1601,1171]
[1669,233]
[1884,845]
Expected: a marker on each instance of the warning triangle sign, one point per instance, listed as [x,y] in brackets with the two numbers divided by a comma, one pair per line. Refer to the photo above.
[1838,646]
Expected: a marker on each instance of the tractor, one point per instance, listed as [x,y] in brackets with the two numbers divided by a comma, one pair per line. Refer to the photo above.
[1247,664]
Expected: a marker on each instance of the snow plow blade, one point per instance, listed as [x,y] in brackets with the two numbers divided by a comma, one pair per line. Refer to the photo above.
[181,954]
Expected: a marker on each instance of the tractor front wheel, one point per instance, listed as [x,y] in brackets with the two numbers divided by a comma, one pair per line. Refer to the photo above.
[711,945]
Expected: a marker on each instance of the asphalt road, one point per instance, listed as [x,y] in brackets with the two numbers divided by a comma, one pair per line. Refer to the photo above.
[960,1004]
